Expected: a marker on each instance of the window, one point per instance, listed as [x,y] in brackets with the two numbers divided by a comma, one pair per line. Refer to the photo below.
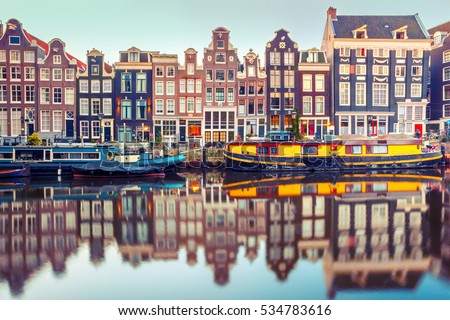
[107,85]
[260,87]
[95,71]
[416,90]
[170,106]
[353,149]
[289,100]
[126,109]
[220,44]
[274,122]
[16,73]
[446,92]
[344,93]
[16,93]
[3,95]
[289,79]
[170,87]
[56,59]
[380,70]
[360,69]
[84,129]
[288,58]
[190,68]
[182,86]
[220,75]
[230,75]
[400,71]
[70,74]
[70,96]
[14,40]
[171,71]
[230,94]
[220,94]
[45,95]
[107,106]
[380,94]
[320,105]
[159,71]
[344,125]
[251,88]
[446,56]
[418,113]
[159,87]
[84,107]
[57,74]
[95,129]
[159,106]
[190,87]
[190,102]
[14,56]
[251,71]
[242,88]
[446,74]
[275,100]
[209,95]
[45,74]
[344,69]
[134,56]
[417,53]
[45,120]
[95,86]
[209,74]
[416,70]
[251,107]
[57,120]
[360,94]
[198,105]
[360,125]
[400,53]
[125,84]
[29,56]
[376,149]
[399,89]
[15,121]
[84,86]
[182,105]
[3,121]
[169,128]
[446,110]
[95,106]
[360,52]
[380,53]
[29,93]
[274,58]
[344,52]
[307,82]
[141,82]
[260,106]
[2,55]
[198,86]
[241,107]
[141,113]
[220,57]
[3,73]
[307,105]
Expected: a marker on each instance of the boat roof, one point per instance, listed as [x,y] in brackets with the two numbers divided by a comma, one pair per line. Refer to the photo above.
[396,136]
[352,137]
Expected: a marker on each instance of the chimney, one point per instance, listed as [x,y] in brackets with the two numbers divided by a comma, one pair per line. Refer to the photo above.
[331,12]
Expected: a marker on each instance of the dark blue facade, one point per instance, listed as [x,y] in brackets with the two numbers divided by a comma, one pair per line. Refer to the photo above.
[133,91]
[95,100]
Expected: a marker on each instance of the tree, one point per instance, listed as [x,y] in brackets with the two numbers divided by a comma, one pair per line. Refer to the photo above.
[34,139]
[296,126]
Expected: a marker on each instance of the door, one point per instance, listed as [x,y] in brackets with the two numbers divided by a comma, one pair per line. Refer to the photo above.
[30,129]
[182,134]
[107,133]
[69,128]
[418,127]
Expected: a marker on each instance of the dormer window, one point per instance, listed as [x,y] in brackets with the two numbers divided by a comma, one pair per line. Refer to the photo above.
[134,57]
[439,36]
[400,33]
[360,33]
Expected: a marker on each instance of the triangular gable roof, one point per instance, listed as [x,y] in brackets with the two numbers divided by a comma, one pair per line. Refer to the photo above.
[378,27]
[44,45]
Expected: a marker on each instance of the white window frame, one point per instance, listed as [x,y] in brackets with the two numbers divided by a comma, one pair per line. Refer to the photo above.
[84,86]
[416,90]
[69,97]
[307,101]
[397,92]
[380,85]
[344,99]
[107,85]
[360,94]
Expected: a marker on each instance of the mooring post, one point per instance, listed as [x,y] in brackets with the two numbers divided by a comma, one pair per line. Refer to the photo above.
[443,153]
[204,157]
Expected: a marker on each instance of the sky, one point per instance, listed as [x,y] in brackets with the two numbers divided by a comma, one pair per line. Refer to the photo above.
[176,25]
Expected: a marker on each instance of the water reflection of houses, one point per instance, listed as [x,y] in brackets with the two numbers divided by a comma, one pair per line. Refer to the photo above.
[34,231]
[380,236]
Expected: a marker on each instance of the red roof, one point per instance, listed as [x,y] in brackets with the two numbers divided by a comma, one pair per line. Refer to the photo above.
[45,47]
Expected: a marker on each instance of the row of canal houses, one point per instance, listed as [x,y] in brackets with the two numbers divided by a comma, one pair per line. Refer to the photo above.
[370,77]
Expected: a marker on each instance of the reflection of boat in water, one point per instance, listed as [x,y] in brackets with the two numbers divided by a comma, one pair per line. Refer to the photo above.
[116,170]
[14,172]
[272,185]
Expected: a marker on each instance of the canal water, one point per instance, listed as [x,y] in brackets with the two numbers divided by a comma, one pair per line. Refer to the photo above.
[226,235]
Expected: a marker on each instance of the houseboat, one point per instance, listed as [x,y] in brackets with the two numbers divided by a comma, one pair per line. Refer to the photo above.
[115,169]
[50,160]
[347,152]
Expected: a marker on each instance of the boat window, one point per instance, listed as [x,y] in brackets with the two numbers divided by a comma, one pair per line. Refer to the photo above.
[353,149]
[75,155]
[263,150]
[376,149]
[91,155]
[309,188]
[273,150]
[310,150]
[60,155]
[6,155]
